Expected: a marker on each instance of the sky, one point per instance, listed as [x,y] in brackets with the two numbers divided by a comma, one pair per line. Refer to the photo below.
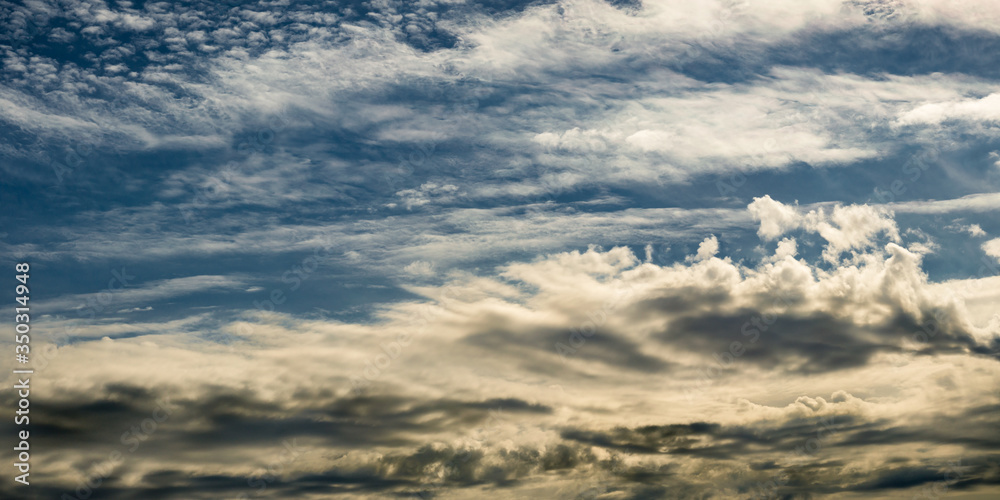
[460,249]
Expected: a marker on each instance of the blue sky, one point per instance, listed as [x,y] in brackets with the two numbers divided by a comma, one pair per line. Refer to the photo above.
[239,205]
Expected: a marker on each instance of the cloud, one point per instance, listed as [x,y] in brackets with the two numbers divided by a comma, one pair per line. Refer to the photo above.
[846,228]
[775,217]
[505,405]
[122,290]
[418,197]
[852,227]
[420,268]
[474,180]
[708,248]
[992,248]
[986,109]
[978,202]
[974,230]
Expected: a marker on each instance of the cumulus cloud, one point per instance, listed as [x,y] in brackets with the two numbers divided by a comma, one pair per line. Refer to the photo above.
[846,228]
[992,248]
[775,217]
[708,248]
[533,365]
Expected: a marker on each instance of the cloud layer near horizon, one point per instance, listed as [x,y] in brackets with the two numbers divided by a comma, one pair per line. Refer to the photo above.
[579,373]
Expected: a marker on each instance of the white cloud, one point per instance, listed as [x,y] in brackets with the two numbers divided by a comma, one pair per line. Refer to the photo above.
[645,335]
[126,287]
[985,109]
[787,248]
[708,248]
[775,217]
[551,116]
[980,202]
[851,227]
[420,268]
[847,228]
[992,248]
[427,193]
[974,230]
[651,140]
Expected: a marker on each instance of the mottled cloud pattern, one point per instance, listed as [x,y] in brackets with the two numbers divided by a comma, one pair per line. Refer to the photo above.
[483,249]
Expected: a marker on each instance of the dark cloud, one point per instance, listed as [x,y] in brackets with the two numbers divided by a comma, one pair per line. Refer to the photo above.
[540,348]
[824,341]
